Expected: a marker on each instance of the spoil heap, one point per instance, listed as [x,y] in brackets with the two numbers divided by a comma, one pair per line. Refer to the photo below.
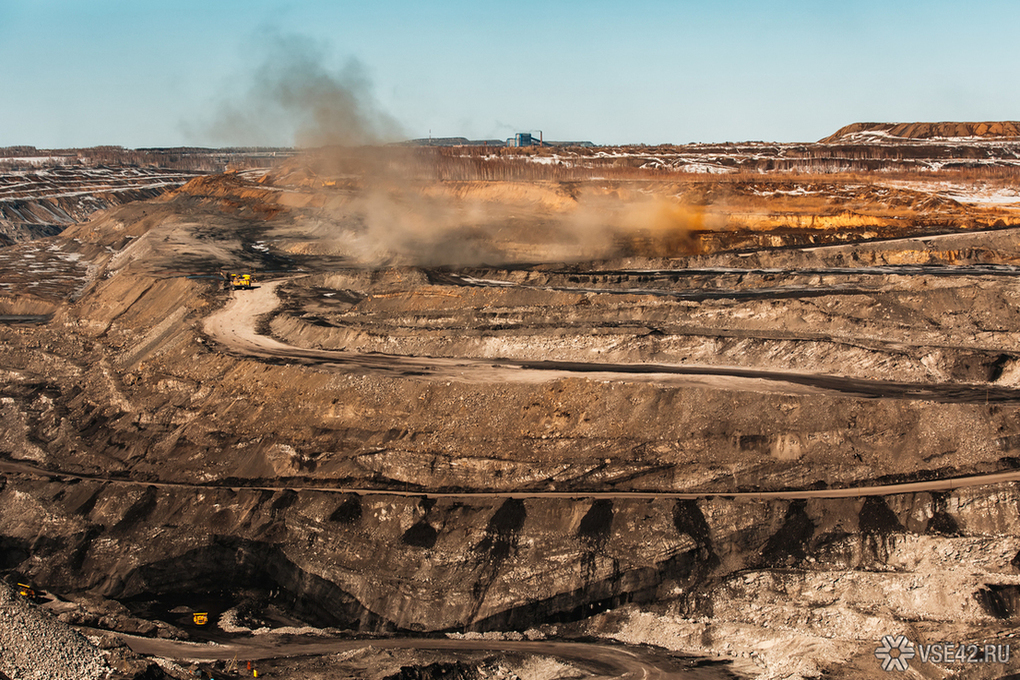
[36,646]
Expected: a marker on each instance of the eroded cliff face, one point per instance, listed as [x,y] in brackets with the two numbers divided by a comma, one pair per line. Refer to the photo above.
[841,572]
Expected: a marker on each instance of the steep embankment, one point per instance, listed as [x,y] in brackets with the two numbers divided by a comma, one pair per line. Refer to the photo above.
[724,576]
[41,203]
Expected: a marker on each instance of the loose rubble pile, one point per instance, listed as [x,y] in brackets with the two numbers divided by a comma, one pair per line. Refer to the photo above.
[36,646]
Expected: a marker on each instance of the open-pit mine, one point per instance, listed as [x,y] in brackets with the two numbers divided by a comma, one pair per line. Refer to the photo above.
[705,411]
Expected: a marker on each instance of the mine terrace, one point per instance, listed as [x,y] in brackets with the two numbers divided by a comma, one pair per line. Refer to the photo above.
[705,411]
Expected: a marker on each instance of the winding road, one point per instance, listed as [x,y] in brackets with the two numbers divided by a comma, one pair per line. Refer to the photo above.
[234,327]
[948,484]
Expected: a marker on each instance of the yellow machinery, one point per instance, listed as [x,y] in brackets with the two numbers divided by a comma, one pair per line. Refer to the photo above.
[242,281]
[200,618]
[238,281]
[26,590]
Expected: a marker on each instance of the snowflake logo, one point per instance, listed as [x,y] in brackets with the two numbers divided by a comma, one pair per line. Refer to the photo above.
[895,652]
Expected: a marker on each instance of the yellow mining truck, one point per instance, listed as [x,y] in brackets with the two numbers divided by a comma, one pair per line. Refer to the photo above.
[239,281]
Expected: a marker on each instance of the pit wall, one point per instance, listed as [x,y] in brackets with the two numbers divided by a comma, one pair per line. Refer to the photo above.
[383,562]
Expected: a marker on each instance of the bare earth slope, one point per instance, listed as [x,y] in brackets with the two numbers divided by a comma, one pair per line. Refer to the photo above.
[987,130]
[43,202]
[683,411]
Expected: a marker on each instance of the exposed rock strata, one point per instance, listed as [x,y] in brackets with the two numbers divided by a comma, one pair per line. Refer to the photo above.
[170,432]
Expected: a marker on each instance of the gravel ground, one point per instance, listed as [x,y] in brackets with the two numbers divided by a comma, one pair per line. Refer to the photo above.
[36,646]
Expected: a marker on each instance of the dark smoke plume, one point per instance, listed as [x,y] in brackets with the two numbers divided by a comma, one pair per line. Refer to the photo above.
[295,98]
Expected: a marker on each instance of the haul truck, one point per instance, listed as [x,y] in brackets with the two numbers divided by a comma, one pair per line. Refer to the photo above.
[238,281]
[242,281]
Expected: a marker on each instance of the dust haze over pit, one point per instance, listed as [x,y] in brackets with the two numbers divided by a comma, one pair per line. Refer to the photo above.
[295,96]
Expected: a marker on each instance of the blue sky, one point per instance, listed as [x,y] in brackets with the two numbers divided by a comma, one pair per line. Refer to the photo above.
[144,73]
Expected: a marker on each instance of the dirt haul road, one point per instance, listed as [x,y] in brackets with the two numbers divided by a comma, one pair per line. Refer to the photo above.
[615,661]
[935,485]
[234,326]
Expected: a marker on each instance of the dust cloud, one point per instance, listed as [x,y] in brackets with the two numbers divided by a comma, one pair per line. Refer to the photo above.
[403,205]
[393,219]
[390,206]
[294,98]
